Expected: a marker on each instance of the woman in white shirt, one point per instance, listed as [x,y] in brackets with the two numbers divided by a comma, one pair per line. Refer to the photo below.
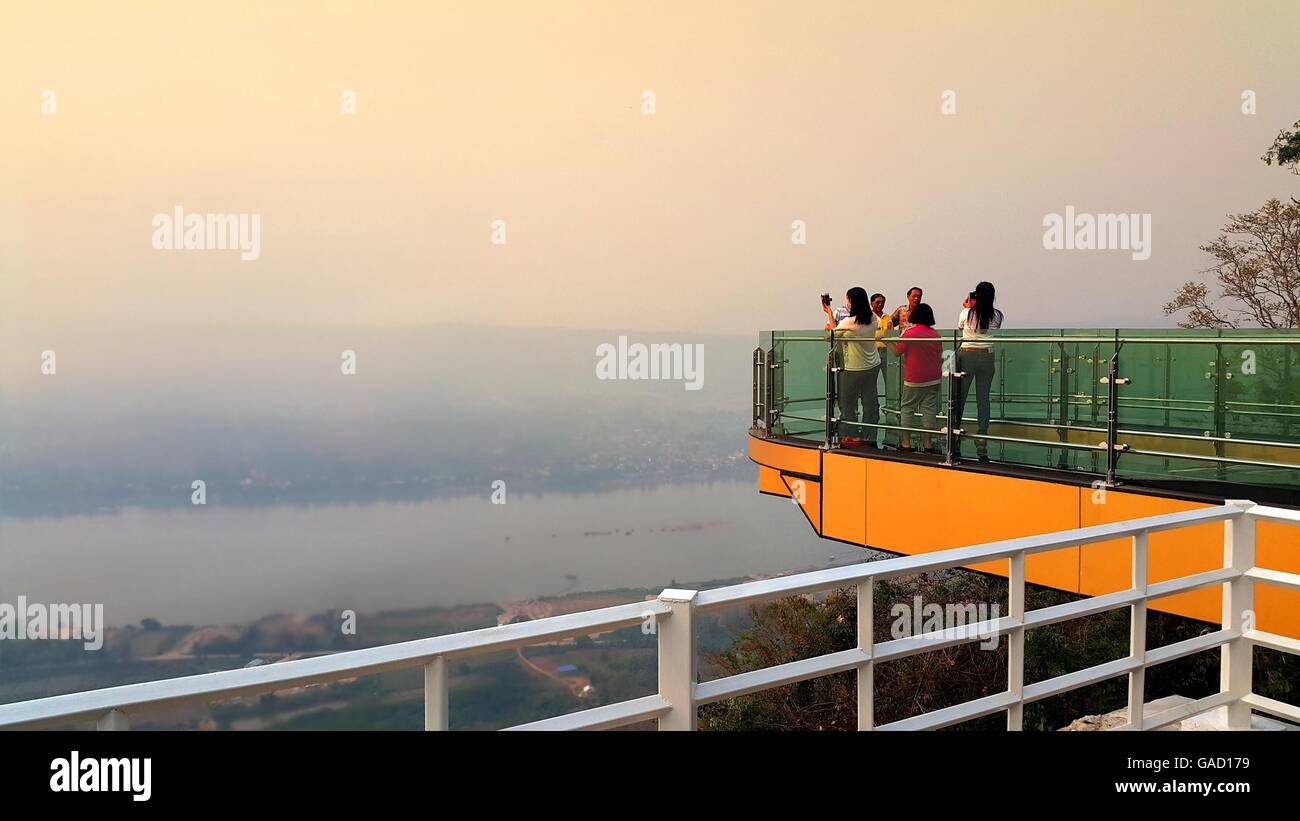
[975,359]
[856,336]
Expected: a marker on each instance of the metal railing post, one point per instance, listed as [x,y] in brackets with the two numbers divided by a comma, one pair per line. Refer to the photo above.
[1113,380]
[1095,361]
[772,414]
[435,694]
[1220,421]
[113,720]
[1238,609]
[830,395]
[866,671]
[1064,371]
[677,660]
[950,430]
[1169,383]
[1002,383]
[1137,634]
[757,376]
[1016,641]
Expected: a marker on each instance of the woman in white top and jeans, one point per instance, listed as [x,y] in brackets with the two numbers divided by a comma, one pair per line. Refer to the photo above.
[975,358]
[856,335]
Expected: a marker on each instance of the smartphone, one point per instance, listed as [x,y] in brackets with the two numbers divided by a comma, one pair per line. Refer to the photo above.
[826,300]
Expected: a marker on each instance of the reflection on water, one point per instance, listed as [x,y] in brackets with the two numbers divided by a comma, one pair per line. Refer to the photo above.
[208,565]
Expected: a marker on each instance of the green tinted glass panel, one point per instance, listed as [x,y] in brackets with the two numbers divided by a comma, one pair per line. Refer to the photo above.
[800,382]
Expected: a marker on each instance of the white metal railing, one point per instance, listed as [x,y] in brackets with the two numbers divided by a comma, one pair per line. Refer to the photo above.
[676,703]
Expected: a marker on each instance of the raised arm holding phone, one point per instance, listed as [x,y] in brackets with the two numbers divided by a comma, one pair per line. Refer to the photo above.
[833,316]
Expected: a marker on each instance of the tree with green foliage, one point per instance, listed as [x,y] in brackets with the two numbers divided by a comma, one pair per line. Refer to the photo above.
[1285,150]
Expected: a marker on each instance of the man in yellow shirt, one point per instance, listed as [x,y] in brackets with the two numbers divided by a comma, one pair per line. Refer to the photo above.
[886,322]
[886,325]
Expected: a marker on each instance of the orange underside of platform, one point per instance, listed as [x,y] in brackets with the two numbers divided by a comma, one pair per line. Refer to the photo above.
[912,508]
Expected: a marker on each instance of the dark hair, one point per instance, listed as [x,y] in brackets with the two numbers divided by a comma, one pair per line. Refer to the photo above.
[922,314]
[874,297]
[859,306]
[984,305]
[914,288]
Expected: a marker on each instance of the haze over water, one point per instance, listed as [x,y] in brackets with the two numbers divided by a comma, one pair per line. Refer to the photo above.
[214,566]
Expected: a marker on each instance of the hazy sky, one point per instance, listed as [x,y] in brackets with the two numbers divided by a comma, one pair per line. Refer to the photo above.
[677,221]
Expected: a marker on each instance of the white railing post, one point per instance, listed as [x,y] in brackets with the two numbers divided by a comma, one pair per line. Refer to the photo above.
[435,694]
[677,660]
[1238,607]
[1016,641]
[1137,633]
[866,671]
[113,720]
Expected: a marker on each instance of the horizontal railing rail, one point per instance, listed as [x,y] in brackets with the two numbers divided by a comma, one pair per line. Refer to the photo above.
[680,693]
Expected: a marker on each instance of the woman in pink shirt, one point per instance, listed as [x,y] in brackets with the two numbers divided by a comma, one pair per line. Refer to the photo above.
[922,373]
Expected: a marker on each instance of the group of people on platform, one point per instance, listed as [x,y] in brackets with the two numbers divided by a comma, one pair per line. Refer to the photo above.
[866,335]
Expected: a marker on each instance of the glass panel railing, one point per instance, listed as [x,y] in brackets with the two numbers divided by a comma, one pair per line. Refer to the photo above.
[1172,394]
[1192,405]
[1025,403]
[1222,410]
[1261,406]
[799,382]
[1084,398]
